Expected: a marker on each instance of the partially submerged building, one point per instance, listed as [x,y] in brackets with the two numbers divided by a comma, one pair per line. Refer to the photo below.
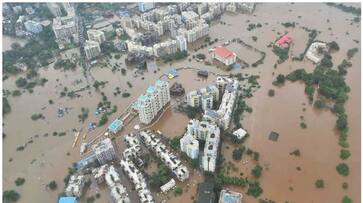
[224,55]
[316,51]
[228,196]
[104,151]
[75,185]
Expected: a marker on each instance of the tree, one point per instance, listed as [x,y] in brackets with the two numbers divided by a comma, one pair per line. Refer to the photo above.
[345,185]
[256,171]
[178,191]
[319,104]
[346,199]
[21,82]
[52,185]
[333,46]
[271,93]
[103,120]
[237,153]
[319,183]
[342,122]
[254,189]
[280,79]
[19,181]
[344,154]
[11,195]
[343,169]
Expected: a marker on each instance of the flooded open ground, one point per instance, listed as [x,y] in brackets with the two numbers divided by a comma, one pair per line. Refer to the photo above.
[45,157]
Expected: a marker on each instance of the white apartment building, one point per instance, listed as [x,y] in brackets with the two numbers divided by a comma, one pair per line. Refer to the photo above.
[155,98]
[117,190]
[64,27]
[202,130]
[75,186]
[165,48]
[92,49]
[203,97]
[96,35]
[138,180]
[223,115]
[182,43]
[195,33]
[190,146]
[170,160]
[104,151]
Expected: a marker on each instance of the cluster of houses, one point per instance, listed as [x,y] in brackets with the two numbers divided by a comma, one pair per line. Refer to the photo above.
[170,160]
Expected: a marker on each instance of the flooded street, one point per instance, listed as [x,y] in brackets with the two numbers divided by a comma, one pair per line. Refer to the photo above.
[47,157]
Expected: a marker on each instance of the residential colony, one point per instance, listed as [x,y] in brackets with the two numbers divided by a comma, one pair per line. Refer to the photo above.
[209,128]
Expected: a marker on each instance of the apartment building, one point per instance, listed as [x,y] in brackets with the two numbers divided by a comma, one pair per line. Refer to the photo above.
[64,27]
[92,49]
[155,98]
[104,151]
[55,9]
[182,43]
[170,160]
[75,186]
[96,35]
[203,97]
[202,130]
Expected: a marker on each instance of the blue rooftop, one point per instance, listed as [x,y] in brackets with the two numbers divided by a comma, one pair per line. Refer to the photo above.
[229,198]
[160,82]
[116,125]
[67,200]
[142,98]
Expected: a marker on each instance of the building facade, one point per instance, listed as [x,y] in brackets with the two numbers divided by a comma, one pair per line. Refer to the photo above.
[92,49]
[96,35]
[104,151]
[155,98]
[224,55]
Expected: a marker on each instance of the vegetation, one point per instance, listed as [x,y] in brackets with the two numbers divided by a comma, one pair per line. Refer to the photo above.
[66,64]
[175,142]
[52,185]
[319,183]
[126,94]
[35,117]
[296,152]
[178,191]
[257,171]
[254,189]
[343,169]
[303,125]
[347,9]
[19,181]
[347,199]
[280,80]
[345,185]
[192,112]
[271,92]
[282,53]
[103,120]
[352,52]
[161,176]
[237,153]
[344,154]
[84,114]
[200,56]
[11,196]
[288,24]
[21,82]
[6,106]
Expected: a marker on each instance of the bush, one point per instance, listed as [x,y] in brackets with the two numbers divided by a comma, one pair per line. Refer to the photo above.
[343,169]
[19,181]
[303,125]
[254,189]
[21,82]
[282,53]
[237,153]
[319,183]
[16,93]
[319,104]
[344,154]
[178,191]
[256,171]
[346,199]
[271,93]
[103,120]
[52,185]
[296,152]
[345,185]
[280,79]
[11,196]
[125,94]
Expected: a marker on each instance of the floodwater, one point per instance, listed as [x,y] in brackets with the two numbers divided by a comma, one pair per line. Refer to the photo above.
[7,41]
[46,158]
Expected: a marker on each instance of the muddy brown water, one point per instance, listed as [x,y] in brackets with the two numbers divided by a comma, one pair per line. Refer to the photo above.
[45,159]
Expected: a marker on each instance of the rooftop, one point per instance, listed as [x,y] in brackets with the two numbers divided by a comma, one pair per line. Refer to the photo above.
[223,52]
[67,200]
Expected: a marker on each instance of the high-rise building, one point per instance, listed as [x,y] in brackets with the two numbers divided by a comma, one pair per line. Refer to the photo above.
[202,130]
[203,97]
[55,9]
[32,26]
[96,35]
[64,27]
[146,6]
[104,151]
[182,43]
[155,98]
[92,49]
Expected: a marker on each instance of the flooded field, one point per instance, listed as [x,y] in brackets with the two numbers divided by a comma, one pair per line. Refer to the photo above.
[47,157]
